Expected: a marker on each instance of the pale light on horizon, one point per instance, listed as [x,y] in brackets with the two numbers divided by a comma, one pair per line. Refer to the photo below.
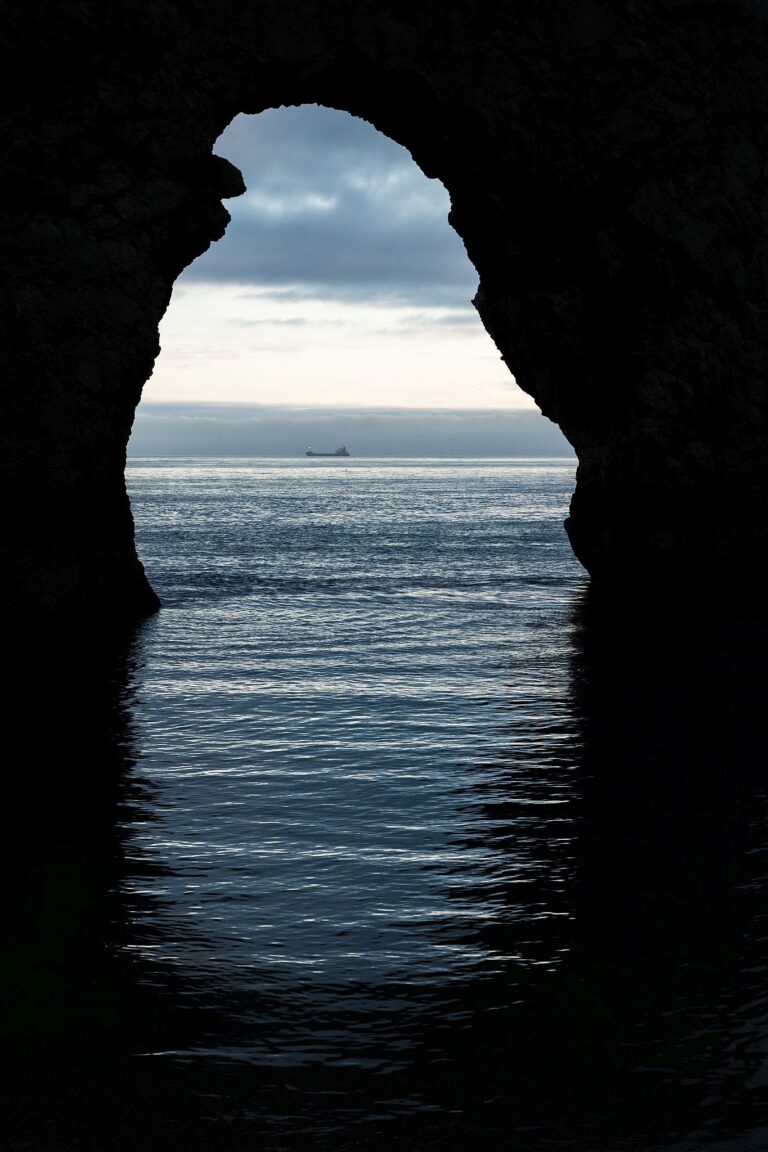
[228,344]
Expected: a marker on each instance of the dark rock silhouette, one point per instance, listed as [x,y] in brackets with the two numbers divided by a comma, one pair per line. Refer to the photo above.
[606,165]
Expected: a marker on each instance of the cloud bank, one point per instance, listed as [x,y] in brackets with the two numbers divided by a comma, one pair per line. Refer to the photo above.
[256,430]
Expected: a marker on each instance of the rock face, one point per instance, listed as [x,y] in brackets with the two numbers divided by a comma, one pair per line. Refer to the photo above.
[607,166]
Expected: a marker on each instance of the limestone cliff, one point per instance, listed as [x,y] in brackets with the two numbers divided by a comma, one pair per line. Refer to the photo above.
[608,169]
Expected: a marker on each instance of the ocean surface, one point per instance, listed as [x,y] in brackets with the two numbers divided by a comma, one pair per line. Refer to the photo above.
[403,850]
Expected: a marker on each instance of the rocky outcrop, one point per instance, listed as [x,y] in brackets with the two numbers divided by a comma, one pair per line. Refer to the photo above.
[607,169]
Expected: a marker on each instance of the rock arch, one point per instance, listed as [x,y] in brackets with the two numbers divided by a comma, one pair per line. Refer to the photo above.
[607,169]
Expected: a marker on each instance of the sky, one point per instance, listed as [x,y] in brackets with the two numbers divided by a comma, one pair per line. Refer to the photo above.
[338,286]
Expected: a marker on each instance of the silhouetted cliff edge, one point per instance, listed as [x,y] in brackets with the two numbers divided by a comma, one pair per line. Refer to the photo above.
[606,165]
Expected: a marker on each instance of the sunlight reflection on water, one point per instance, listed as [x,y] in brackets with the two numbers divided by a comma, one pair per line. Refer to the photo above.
[381,838]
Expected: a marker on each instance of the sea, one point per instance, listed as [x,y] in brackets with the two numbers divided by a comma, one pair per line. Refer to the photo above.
[401,843]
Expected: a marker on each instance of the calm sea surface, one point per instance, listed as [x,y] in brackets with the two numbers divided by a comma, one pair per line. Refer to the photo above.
[407,853]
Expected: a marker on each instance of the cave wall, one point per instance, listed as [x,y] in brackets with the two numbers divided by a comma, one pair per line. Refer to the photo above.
[607,168]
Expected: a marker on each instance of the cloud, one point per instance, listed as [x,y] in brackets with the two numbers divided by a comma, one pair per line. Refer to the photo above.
[272,430]
[336,210]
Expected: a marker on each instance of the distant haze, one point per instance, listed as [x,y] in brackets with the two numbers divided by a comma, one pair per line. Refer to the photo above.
[259,430]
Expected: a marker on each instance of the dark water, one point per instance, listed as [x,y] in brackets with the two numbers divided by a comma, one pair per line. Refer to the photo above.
[377,836]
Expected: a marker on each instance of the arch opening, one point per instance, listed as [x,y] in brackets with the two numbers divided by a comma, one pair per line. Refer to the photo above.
[621,253]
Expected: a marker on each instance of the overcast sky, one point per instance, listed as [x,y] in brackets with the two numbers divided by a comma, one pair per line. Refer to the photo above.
[339,282]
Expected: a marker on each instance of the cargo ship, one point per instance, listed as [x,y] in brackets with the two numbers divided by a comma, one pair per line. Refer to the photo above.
[341,451]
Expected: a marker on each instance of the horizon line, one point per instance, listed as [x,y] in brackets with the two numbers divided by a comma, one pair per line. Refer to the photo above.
[295,407]
[346,459]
